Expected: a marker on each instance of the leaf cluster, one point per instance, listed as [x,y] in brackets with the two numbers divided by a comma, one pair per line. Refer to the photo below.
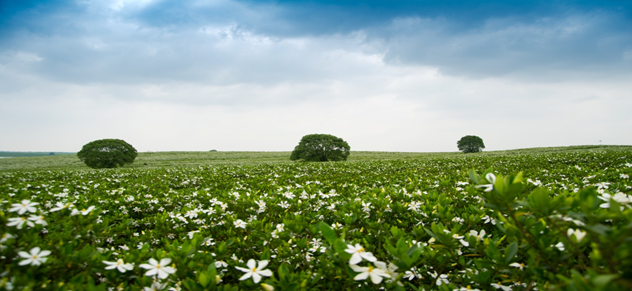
[107,153]
[321,148]
[470,144]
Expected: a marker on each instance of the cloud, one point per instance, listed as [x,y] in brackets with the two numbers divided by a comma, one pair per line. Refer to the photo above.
[240,75]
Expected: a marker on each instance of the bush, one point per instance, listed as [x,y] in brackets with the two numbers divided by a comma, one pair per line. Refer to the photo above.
[470,144]
[321,148]
[107,153]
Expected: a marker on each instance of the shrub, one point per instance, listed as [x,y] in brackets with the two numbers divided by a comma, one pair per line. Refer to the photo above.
[321,148]
[470,144]
[107,153]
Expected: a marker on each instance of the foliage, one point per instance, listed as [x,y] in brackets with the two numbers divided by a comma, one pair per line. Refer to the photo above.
[107,153]
[563,223]
[470,144]
[321,148]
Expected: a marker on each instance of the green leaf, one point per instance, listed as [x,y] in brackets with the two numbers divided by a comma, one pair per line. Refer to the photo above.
[329,234]
[510,252]
[203,279]
[603,280]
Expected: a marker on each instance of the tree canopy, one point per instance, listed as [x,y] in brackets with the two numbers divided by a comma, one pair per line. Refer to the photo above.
[107,153]
[470,144]
[321,148]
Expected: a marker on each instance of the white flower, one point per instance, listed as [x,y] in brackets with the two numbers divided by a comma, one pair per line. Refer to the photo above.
[34,258]
[359,254]
[267,287]
[620,197]
[477,235]
[579,234]
[489,219]
[255,271]
[159,269]
[6,237]
[414,206]
[155,286]
[82,212]
[119,265]
[560,246]
[412,274]
[491,178]
[390,269]
[443,278]
[192,233]
[517,265]
[460,238]
[375,273]
[220,264]
[60,206]
[18,222]
[25,206]
[38,219]
[500,286]
[240,223]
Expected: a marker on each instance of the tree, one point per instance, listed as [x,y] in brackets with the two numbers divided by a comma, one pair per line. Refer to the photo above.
[107,153]
[321,148]
[470,144]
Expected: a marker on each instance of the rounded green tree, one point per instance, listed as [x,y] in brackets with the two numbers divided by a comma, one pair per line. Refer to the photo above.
[321,148]
[470,144]
[107,153]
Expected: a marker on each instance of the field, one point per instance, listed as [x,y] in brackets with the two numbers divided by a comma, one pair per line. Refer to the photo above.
[532,219]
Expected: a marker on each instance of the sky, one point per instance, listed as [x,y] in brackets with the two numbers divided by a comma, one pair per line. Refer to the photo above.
[246,75]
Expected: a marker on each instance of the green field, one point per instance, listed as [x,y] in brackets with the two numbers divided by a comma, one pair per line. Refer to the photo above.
[69,161]
[532,219]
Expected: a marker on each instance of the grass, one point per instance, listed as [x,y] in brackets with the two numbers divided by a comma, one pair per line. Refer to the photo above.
[193,159]
[31,154]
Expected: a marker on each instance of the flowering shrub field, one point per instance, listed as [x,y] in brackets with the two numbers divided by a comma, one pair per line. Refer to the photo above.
[522,222]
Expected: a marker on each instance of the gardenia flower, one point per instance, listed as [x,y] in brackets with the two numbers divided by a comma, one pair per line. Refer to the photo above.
[60,206]
[155,286]
[412,274]
[6,237]
[500,286]
[477,235]
[359,254]
[38,219]
[119,265]
[25,206]
[517,265]
[240,223]
[579,234]
[460,238]
[18,222]
[488,187]
[255,271]
[82,212]
[443,278]
[376,273]
[414,206]
[159,269]
[267,287]
[620,197]
[35,257]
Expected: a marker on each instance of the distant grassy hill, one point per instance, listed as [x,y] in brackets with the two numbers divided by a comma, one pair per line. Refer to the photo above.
[69,161]
[32,154]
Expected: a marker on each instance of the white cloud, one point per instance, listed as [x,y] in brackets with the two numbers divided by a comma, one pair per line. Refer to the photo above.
[417,85]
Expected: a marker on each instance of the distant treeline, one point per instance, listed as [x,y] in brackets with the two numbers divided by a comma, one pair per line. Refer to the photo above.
[33,154]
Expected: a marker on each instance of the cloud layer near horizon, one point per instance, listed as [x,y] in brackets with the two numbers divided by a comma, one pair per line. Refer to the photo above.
[258,75]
